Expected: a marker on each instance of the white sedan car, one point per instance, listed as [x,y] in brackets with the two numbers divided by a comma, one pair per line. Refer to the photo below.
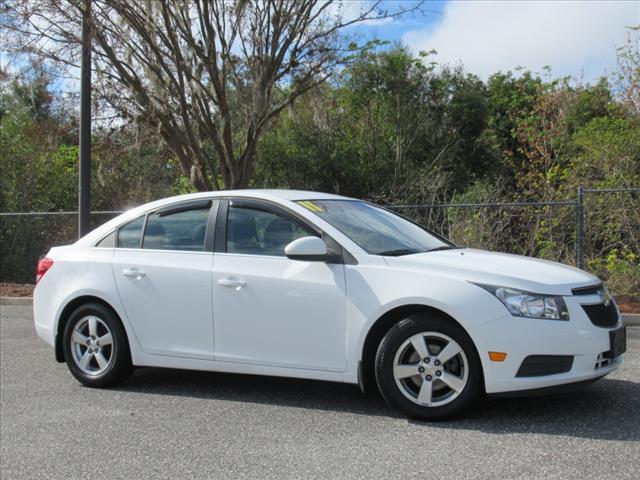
[319,286]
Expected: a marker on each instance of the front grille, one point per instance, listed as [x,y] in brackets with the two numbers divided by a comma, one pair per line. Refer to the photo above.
[602,315]
[592,290]
[539,365]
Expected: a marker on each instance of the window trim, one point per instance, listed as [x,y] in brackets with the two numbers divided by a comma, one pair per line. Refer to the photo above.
[183,207]
[177,208]
[209,236]
[144,229]
[213,205]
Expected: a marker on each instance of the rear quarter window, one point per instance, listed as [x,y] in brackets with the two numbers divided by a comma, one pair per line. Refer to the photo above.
[129,234]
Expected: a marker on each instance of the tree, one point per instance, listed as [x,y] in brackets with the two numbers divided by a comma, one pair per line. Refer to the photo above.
[627,76]
[209,75]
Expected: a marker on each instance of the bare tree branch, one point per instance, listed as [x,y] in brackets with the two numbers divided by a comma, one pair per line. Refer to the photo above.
[210,75]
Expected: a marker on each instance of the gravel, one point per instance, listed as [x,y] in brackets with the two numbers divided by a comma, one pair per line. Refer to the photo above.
[177,424]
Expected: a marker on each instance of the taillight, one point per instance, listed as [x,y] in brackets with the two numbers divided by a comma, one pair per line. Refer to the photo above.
[43,266]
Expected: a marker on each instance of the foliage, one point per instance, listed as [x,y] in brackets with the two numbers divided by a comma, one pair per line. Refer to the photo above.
[209,76]
[39,164]
[627,76]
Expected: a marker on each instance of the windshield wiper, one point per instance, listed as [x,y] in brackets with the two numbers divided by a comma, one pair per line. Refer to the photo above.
[398,252]
[443,247]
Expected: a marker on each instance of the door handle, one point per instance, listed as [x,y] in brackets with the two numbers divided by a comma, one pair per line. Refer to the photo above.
[133,272]
[232,282]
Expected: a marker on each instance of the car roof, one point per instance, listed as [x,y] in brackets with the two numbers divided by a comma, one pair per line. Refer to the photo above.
[267,194]
[293,195]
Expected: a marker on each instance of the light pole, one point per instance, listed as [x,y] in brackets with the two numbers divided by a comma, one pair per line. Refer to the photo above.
[84,193]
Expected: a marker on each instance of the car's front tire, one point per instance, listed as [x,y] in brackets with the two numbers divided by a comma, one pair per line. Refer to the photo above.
[427,368]
[95,346]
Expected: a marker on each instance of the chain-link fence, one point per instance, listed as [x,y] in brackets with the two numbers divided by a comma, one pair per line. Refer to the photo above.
[598,230]
[552,229]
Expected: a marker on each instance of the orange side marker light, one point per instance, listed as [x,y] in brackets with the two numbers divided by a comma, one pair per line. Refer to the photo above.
[497,356]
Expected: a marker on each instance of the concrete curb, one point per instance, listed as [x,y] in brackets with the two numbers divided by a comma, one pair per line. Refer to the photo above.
[629,319]
[17,301]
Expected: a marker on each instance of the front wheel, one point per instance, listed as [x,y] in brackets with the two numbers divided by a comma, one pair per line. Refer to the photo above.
[95,346]
[428,368]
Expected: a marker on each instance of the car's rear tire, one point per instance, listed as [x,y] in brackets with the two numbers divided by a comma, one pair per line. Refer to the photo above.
[95,346]
[427,368]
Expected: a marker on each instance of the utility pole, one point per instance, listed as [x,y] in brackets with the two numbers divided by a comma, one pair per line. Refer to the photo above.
[84,193]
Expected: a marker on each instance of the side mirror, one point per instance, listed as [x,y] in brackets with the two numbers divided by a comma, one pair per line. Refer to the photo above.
[310,249]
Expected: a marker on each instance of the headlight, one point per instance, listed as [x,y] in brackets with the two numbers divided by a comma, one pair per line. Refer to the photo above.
[530,305]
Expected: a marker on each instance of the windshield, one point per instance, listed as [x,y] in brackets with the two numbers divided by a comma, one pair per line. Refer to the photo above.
[374,229]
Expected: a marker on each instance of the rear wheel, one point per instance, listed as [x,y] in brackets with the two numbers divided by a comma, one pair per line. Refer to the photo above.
[95,346]
[428,368]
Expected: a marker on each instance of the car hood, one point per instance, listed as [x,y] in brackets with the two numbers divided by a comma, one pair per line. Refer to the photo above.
[500,269]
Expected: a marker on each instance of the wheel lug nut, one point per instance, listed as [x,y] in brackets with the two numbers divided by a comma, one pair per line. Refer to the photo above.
[439,373]
[421,369]
[436,363]
[428,378]
[427,360]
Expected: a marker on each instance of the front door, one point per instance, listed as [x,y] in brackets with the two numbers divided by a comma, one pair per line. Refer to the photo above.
[163,276]
[270,310]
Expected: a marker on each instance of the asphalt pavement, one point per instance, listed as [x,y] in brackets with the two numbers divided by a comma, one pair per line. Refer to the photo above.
[177,424]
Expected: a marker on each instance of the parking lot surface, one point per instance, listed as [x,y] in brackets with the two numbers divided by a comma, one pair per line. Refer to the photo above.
[177,424]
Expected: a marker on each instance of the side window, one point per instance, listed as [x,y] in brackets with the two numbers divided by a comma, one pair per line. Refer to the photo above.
[129,234]
[182,230]
[259,232]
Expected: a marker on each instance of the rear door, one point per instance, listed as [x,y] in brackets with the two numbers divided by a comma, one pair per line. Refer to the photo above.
[162,267]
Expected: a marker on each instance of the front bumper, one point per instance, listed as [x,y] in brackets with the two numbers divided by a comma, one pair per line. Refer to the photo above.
[522,337]
[539,392]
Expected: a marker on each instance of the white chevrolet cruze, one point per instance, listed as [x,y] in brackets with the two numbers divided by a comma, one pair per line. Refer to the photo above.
[312,285]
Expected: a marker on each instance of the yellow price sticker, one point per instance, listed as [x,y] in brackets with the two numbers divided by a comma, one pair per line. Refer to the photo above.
[311,206]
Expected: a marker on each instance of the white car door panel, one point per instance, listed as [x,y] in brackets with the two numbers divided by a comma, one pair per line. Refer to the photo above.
[269,309]
[167,298]
[279,312]
[165,283]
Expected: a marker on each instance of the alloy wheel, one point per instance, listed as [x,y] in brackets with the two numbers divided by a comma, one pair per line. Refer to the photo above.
[430,369]
[92,345]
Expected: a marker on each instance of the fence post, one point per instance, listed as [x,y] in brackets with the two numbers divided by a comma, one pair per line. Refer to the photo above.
[580,228]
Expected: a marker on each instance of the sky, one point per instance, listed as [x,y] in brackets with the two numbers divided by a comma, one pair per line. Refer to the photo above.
[577,38]
[572,37]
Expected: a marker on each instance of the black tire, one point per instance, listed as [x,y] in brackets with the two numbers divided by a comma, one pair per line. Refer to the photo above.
[394,340]
[119,365]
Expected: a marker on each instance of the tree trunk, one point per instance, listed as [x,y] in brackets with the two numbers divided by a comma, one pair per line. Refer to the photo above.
[198,178]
